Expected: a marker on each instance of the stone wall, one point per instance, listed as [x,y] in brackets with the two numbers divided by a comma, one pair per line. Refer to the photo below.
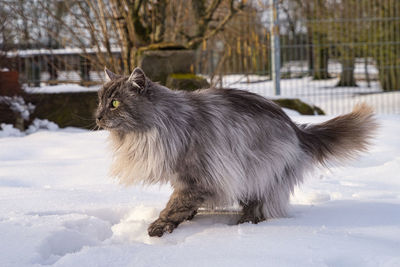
[65,109]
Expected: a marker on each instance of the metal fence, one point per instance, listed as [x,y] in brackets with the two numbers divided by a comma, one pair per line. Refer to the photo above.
[332,54]
[42,67]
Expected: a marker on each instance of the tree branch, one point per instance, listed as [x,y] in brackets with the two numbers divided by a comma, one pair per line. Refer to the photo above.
[199,38]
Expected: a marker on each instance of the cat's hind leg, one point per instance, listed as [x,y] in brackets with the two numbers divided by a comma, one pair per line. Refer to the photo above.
[272,205]
[276,201]
[252,211]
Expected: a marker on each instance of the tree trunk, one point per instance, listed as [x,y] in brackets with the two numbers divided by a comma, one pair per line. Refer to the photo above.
[321,56]
[367,77]
[347,74]
[389,75]
[52,68]
[310,55]
[387,59]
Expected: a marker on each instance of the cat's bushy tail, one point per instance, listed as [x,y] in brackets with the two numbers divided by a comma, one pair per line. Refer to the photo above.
[340,138]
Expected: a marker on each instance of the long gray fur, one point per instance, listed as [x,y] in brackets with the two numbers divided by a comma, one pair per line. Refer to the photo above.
[218,146]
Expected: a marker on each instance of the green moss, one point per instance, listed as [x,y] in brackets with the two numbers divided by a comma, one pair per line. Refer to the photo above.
[318,110]
[162,46]
[186,81]
[298,105]
[185,76]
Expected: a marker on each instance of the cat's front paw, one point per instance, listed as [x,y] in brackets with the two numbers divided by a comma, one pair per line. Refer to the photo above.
[159,227]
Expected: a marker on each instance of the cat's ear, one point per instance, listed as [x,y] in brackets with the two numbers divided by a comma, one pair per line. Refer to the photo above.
[110,76]
[138,78]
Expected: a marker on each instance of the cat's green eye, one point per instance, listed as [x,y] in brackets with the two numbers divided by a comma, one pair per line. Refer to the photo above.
[115,103]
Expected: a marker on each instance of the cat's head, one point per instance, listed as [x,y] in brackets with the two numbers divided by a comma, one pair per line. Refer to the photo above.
[124,104]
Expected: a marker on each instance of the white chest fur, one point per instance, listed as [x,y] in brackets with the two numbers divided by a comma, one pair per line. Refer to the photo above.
[139,158]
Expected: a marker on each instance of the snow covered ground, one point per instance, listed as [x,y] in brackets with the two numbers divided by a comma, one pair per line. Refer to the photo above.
[58,207]
[61,88]
[323,93]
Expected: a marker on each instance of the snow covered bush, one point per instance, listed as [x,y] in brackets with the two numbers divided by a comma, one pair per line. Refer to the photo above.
[17,105]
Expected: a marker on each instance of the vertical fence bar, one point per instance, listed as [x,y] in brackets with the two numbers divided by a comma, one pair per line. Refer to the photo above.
[275,47]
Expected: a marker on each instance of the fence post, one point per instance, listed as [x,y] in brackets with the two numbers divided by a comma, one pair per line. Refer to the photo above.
[275,47]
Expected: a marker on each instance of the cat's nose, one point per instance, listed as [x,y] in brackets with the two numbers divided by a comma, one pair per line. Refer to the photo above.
[99,118]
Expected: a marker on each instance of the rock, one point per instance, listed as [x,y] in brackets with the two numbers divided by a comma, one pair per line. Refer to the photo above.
[187,82]
[159,64]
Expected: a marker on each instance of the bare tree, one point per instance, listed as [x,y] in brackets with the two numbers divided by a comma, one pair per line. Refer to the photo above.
[6,36]
[131,26]
[313,12]
[345,33]
[386,32]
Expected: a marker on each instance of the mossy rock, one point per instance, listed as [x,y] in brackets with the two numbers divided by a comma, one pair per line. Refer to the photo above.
[298,105]
[186,81]
[158,64]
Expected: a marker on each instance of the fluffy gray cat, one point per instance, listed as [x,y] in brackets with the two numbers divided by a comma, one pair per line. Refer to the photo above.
[218,146]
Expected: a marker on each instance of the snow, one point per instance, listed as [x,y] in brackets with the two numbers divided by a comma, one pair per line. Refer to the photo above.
[59,207]
[38,124]
[8,130]
[95,76]
[60,51]
[322,93]
[61,88]
[334,67]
